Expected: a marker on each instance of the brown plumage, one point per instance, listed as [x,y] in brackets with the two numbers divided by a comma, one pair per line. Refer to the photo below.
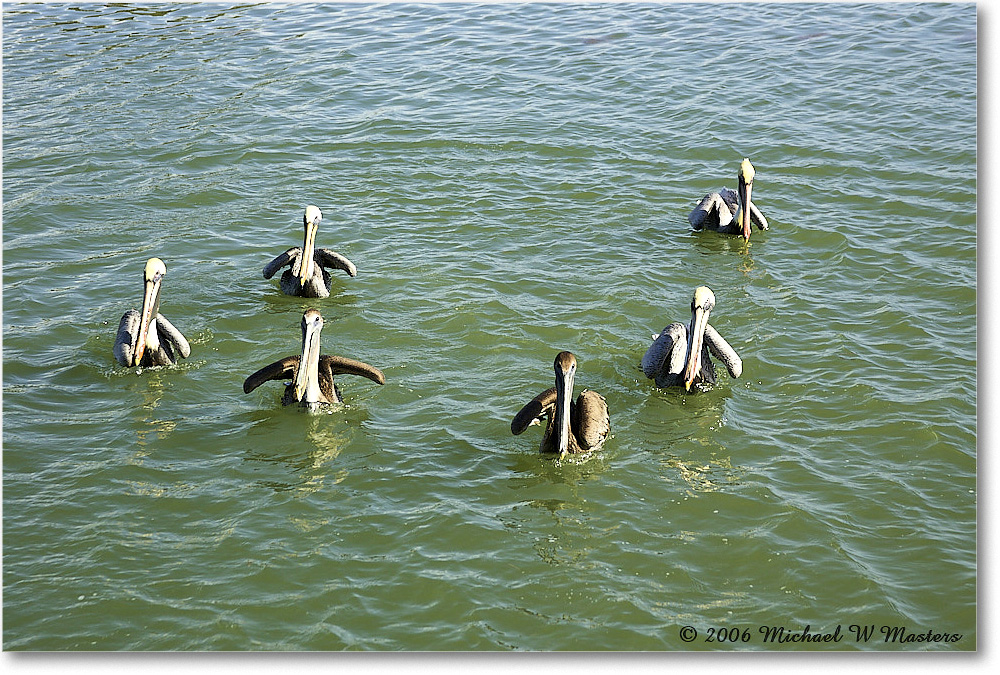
[572,427]
[311,373]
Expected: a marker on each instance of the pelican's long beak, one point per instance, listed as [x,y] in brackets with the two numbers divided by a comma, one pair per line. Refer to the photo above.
[745,187]
[565,367]
[745,211]
[152,280]
[311,223]
[700,309]
[307,375]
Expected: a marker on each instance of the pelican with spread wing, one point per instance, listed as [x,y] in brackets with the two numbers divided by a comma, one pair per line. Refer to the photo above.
[311,374]
[307,274]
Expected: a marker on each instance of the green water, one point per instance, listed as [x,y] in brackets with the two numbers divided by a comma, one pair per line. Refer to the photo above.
[511,181]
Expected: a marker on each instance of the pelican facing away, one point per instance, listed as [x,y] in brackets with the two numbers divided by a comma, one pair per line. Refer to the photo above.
[307,275]
[145,338]
[726,210]
[680,354]
[311,374]
[576,427]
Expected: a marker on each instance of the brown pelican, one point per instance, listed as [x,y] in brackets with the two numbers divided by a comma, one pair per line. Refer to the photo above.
[680,354]
[572,427]
[145,338]
[311,374]
[307,275]
[724,211]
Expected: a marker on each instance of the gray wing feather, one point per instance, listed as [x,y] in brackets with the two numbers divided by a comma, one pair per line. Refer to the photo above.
[666,352]
[283,260]
[714,210]
[128,333]
[731,199]
[723,351]
[536,409]
[173,336]
[279,370]
[327,258]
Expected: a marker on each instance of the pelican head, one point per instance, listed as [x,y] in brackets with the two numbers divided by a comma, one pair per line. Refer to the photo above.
[307,375]
[310,221]
[701,306]
[744,185]
[152,277]
[565,368]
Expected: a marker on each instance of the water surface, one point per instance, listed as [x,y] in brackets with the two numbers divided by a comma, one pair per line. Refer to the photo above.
[511,181]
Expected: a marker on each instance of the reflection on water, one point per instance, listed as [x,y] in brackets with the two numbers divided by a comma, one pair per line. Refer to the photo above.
[341,303]
[547,469]
[686,416]
[150,431]
[556,490]
[556,550]
[746,263]
[148,428]
[305,443]
[717,473]
[565,534]
[713,243]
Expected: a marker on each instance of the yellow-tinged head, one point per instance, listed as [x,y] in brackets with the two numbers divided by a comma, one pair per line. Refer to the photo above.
[154,269]
[703,299]
[312,215]
[746,171]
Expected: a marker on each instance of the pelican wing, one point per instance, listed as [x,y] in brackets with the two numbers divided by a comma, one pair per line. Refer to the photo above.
[327,258]
[713,211]
[337,365]
[534,411]
[731,198]
[666,352]
[173,336]
[287,258]
[592,420]
[757,217]
[128,332]
[279,370]
[722,350]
